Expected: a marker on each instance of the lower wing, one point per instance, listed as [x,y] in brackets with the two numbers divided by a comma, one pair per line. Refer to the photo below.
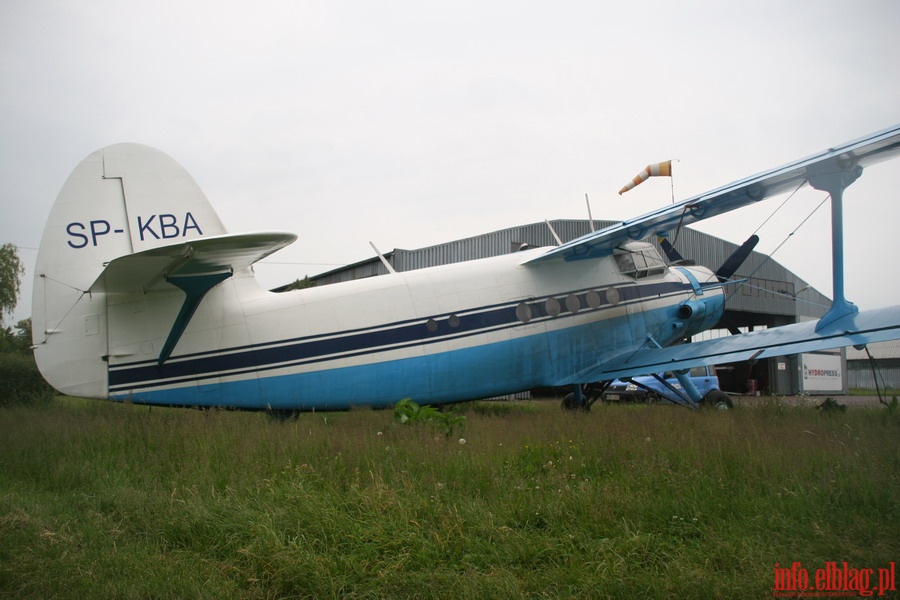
[855,329]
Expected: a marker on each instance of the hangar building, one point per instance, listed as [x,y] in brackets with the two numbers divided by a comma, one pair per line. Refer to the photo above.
[875,367]
[771,296]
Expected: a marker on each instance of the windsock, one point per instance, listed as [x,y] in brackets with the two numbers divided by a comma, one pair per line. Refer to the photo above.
[663,169]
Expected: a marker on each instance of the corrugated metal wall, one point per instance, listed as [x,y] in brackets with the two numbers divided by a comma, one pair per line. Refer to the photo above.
[859,374]
[490,244]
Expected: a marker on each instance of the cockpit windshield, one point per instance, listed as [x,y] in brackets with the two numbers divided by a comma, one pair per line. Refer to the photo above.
[639,260]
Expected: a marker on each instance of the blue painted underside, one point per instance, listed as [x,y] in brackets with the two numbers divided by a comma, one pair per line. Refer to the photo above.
[458,375]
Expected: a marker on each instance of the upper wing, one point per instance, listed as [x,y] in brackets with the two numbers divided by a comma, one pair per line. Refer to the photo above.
[150,269]
[847,157]
[850,330]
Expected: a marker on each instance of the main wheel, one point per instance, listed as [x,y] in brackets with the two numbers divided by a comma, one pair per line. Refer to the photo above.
[569,402]
[717,399]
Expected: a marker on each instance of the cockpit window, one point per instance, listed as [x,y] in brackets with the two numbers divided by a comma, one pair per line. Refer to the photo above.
[639,260]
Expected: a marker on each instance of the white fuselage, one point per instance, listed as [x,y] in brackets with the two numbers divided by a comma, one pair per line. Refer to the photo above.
[442,334]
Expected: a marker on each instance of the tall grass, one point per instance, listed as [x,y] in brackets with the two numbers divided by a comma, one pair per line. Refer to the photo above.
[108,500]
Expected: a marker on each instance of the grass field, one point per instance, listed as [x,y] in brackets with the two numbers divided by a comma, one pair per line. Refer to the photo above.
[100,500]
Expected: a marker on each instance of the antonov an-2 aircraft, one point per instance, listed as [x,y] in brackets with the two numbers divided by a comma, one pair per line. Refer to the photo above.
[141,295]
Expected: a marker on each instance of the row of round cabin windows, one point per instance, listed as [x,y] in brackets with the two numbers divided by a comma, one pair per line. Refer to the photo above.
[573,303]
[432,325]
[552,306]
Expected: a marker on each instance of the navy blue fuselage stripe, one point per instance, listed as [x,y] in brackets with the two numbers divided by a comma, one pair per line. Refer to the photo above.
[281,365]
[332,346]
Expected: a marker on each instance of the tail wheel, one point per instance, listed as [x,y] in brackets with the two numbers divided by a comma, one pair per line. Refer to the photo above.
[717,399]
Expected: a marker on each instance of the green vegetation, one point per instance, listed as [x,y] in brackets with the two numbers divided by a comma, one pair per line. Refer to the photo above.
[20,380]
[407,412]
[298,284]
[11,271]
[102,500]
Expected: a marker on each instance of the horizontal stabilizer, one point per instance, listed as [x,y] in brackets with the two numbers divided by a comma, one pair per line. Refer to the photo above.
[149,270]
[850,330]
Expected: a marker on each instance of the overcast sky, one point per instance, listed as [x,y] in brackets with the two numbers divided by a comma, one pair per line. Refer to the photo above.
[414,123]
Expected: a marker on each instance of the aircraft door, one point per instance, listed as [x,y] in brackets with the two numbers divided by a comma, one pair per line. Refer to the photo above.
[637,325]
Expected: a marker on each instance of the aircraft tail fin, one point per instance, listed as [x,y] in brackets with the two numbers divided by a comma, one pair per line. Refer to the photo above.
[120,200]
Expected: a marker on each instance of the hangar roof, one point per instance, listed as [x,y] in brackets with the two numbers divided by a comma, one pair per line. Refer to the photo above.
[769,289]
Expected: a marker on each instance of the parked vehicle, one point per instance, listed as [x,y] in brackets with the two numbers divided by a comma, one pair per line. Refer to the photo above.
[647,388]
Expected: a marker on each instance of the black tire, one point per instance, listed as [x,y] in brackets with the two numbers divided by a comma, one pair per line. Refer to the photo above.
[568,402]
[717,399]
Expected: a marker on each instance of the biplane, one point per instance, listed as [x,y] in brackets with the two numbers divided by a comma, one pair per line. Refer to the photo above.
[141,295]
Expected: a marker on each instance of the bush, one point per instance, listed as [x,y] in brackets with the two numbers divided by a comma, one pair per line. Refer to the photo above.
[18,342]
[830,405]
[406,411]
[20,381]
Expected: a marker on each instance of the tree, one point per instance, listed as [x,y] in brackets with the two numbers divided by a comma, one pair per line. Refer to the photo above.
[299,284]
[11,271]
[17,342]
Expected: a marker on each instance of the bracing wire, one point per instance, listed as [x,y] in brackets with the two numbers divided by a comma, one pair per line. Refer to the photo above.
[65,316]
[64,284]
[875,374]
[81,295]
[774,212]
[769,256]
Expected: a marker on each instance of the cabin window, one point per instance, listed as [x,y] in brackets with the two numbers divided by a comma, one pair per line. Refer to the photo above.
[523,312]
[639,260]
[553,307]
[612,296]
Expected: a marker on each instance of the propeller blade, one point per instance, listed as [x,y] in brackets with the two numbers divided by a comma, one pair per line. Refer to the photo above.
[737,258]
[726,323]
[671,253]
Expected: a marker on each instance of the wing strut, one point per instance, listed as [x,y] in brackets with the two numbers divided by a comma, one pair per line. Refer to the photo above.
[195,288]
[833,176]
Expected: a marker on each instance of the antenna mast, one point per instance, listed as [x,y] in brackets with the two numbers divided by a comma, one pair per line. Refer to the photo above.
[590,217]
